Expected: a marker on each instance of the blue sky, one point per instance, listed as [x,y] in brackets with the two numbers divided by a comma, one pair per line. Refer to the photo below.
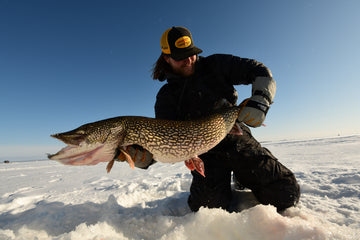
[66,63]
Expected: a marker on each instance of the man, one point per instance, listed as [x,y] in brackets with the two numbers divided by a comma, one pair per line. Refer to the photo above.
[196,87]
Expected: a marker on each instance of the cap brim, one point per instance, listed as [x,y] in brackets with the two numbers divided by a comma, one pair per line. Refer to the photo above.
[185,54]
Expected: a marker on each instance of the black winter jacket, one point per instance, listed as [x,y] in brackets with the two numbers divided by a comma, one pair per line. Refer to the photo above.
[209,88]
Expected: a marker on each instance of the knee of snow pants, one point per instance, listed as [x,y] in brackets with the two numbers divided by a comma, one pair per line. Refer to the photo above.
[282,193]
[258,169]
[270,181]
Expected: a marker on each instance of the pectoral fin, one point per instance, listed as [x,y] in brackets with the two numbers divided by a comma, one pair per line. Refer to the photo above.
[123,156]
[110,165]
[128,158]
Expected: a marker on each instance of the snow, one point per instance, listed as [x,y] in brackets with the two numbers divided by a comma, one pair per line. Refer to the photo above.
[47,200]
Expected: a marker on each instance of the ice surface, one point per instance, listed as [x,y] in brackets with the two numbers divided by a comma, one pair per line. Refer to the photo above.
[47,200]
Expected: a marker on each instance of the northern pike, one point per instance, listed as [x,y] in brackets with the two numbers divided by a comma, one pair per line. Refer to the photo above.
[168,141]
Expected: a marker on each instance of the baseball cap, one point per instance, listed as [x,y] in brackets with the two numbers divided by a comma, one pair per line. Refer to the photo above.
[178,43]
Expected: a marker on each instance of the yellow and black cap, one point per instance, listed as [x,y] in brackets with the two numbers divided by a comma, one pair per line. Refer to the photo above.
[178,43]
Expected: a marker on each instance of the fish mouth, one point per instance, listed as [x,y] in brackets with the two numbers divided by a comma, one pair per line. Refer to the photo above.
[83,154]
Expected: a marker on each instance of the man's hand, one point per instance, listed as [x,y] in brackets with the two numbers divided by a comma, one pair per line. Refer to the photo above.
[255,108]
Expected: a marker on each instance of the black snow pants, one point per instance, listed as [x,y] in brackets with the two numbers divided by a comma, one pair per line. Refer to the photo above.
[253,166]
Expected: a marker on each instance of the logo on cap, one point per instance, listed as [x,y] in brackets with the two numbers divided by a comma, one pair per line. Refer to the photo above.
[183,42]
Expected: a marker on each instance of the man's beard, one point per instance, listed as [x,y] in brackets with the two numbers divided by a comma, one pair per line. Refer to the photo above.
[186,70]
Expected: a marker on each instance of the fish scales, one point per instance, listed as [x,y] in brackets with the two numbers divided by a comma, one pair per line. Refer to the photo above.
[167,140]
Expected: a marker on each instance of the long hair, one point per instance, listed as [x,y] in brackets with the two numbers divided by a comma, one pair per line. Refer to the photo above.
[160,68]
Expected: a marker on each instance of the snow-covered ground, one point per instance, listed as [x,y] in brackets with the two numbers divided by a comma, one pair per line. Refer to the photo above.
[47,200]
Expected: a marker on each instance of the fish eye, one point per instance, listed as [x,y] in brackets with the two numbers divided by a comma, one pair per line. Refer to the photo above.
[81,132]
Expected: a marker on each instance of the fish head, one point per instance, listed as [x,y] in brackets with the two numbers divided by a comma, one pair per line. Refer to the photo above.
[89,144]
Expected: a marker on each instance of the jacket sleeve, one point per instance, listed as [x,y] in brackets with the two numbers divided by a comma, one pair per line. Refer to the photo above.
[237,70]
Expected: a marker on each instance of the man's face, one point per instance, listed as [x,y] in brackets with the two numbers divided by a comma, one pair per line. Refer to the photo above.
[185,67]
